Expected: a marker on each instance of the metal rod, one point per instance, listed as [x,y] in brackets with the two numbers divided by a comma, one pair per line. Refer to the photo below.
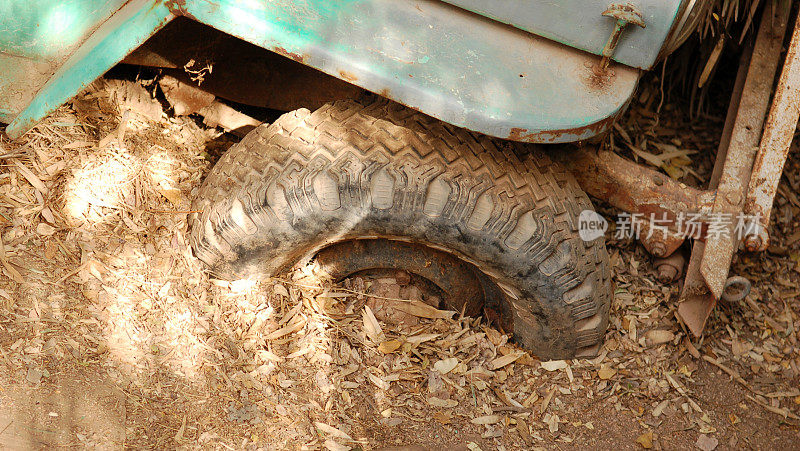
[696,302]
[631,187]
[710,262]
[744,143]
[778,134]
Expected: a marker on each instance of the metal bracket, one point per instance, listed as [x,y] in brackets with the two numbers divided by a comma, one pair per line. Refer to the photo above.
[738,164]
[709,263]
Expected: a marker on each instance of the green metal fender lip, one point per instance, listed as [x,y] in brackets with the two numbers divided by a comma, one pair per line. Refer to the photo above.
[449,63]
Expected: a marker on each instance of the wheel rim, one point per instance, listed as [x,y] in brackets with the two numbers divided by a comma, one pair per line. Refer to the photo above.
[464,286]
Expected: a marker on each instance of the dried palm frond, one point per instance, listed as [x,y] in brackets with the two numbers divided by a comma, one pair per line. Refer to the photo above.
[725,28]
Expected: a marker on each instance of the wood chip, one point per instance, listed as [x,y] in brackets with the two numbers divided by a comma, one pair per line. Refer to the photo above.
[286,330]
[706,443]
[605,372]
[657,337]
[486,419]
[330,430]
[507,359]
[423,310]
[645,440]
[372,328]
[31,178]
[438,402]
[421,338]
[554,365]
[389,346]
[444,366]
[45,229]
[547,398]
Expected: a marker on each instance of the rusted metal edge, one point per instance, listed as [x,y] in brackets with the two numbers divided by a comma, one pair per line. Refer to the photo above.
[778,134]
[557,136]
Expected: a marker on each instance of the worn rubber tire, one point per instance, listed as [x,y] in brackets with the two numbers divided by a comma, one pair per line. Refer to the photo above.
[378,169]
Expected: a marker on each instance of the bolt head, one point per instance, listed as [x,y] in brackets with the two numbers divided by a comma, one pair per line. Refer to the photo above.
[753,243]
[659,250]
[666,273]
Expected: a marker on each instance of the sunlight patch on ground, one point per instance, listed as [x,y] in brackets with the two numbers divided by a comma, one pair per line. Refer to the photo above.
[101,186]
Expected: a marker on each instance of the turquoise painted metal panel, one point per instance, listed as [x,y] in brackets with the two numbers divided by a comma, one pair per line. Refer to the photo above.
[36,37]
[126,30]
[48,29]
[580,24]
[442,60]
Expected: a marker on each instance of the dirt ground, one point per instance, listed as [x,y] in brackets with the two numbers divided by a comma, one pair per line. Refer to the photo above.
[112,335]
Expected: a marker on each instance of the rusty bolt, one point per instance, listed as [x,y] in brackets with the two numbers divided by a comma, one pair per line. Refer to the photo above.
[625,14]
[658,249]
[669,269]
[753,243]
[667,273]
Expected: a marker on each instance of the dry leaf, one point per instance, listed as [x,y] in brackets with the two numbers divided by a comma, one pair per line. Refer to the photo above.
[330,430]
[171,194]
[706,443]
[486,419]
[438,402]
[444,366]
[47,214]
[421,338]
[422,310]
[606,372]
[646,440]
[546,400]
[371,326]
[332,445]
[179,435]
[657,337]
[286,330]
[31,178]
[552,422]
[660,408]
[389,346]
[554,365]
[45,229]
[280,290]
[379,382]
[505,360]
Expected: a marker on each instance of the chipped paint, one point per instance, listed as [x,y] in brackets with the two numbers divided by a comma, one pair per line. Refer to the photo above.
[299,57]
[347,76]
[563,135]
